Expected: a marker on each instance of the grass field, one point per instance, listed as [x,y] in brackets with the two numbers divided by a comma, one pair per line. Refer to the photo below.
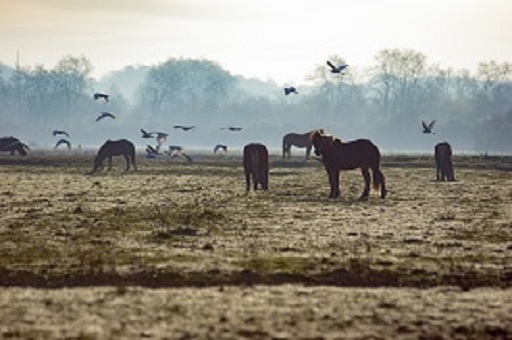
[180,250]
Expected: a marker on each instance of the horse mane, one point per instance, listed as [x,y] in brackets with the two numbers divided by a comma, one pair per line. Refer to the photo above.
[321,134]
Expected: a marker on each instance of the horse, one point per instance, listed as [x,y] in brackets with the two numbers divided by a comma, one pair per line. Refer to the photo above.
[443,156]
[298,140]
[337,155]
[12,145]
[256,165]
[115,148]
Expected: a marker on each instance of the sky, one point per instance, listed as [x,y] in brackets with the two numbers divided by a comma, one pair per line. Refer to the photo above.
[282,40]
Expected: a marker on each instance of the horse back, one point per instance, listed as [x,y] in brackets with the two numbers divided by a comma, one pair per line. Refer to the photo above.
[300,140]
[255,157]
[117,148]
[443,151]
[356,154]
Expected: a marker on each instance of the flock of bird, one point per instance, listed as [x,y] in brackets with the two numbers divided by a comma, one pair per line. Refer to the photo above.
[334,69]
[161,137]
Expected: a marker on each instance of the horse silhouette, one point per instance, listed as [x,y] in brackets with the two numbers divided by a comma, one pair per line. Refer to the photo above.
[256,166]
[337,156]
[444,166]
[12,145]
[112,148]
[298,140]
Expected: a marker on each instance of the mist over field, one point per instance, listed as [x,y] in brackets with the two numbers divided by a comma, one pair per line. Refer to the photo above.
[385,102]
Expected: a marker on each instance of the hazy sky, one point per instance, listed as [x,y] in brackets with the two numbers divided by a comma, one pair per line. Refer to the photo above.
[279,39]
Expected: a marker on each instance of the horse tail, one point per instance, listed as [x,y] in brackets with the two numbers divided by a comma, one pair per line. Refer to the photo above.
[379,181]
[377,178]
[285,145]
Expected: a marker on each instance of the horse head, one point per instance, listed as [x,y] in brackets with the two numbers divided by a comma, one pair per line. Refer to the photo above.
[321,142]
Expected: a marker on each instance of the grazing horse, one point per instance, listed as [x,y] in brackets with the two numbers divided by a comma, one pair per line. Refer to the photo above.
[337,155]
[115,148]
[443,155]
[256,165]
[298,140]
[12,145]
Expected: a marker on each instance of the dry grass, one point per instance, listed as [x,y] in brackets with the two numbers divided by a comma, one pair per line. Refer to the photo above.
[173,224]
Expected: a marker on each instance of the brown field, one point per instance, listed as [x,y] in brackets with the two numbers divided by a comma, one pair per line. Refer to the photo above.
[179,250]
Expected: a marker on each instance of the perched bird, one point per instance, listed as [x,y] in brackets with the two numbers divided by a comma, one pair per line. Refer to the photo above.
[336,69]
[291,89]
[232,128]
[177,151]
[98,95]
[60,132]
[105,114]
[146,134]
[184,128]
[63,141]
[428,128]
[220,147]
[151,152]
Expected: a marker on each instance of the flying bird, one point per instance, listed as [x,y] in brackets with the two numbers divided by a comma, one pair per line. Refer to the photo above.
[98,95]
[336,69]
[63,141]
[291,89]
[146,134]
[232,128]
[105,114]
[220,147]
[161,137]
[60,132]
[428,128]
[183,127]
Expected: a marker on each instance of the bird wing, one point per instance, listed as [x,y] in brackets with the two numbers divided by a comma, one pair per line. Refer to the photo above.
[431,125]
[424,125]
[331,65]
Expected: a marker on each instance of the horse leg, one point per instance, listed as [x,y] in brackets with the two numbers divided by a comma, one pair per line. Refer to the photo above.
[255,179]
[378,179]
[334,182]
[247,181]
[133,162]
[109,163]
[308,151]
[127,159]
[367,182]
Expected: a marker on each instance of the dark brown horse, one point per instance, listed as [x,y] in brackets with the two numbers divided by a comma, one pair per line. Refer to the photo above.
[337,156]
[12,145]
[256,165]
[112,148]
[443,155]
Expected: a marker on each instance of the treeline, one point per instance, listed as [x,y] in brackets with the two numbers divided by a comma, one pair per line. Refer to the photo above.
[385,102]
